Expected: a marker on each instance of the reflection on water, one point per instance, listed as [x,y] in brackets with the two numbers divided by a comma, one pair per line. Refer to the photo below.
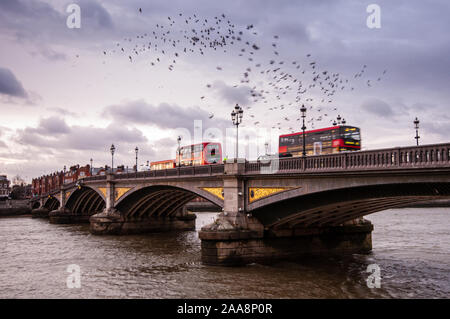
[411,246]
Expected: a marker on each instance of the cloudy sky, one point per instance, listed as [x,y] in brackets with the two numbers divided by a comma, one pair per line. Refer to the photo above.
[67,93]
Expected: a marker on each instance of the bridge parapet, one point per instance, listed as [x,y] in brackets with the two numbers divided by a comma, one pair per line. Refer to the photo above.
[394,158]
[204,170]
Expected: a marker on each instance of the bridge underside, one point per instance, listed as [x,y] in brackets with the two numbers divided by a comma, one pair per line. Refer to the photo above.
[83,203]
[42,211]
[336,207]
[323,222]
[157,201]
[149,209]
[51,204]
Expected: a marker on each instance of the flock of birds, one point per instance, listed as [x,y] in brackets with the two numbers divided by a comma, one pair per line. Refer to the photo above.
[275,87]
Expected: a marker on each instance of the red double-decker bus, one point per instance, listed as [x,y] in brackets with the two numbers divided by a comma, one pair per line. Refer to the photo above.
[321,141]
[199,154]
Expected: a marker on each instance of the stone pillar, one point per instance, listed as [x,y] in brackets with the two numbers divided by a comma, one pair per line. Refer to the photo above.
[62,215]
[109,221]
[110,192]
[40,212]
[226,240]
[62,195]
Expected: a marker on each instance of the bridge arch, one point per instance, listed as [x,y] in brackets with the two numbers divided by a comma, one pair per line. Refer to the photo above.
[51,203]
[337,206]
[35,205]
[159,201]
[85,201]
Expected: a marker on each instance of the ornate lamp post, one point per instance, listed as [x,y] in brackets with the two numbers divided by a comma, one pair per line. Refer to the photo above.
[236,118]
[303,110]
[179,150]
[112,149]
[91,166]
[416,125]
[136,151]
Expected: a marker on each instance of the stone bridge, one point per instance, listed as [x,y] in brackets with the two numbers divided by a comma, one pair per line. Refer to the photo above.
[279,208]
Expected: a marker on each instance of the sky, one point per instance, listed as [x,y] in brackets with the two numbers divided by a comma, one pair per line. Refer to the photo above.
[67,94]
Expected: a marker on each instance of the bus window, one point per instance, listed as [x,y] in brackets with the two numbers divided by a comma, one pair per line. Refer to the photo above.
[213,153]
[351,133]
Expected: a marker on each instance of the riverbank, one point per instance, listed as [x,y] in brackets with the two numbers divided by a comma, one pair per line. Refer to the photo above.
[14,208]
[14,211]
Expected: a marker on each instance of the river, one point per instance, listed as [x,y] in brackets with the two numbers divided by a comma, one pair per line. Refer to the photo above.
[411,247]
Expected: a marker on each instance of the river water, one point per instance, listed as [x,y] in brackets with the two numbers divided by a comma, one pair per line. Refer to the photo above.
[411,247]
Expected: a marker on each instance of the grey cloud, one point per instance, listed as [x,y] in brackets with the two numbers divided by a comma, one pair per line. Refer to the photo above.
[29,9]
[165,116]
[53,125]
[54,133]
[97,138]
[2,144]
[40,23]
[95,15]
[50,54]
[233,95]
[9,85]
[437,128]
[62,111]
[378,107]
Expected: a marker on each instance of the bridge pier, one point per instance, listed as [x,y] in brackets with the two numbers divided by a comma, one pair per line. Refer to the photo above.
[112,222]
[228,245]
[40,212]
[237,238]
[64,215]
